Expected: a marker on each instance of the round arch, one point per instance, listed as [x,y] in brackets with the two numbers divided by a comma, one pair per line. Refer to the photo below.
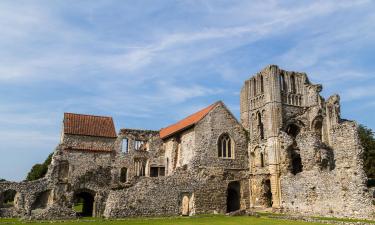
[83,202]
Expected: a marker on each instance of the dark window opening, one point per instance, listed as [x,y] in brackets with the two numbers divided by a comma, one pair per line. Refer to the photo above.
[293,84]
[293,130]
[261,84]
[83,204]
[261,160]
[260,126]
[297,166]
[154,171]
[233,196]
[8,198]
[268,193]
[157,171]
[124,175]
[282,82]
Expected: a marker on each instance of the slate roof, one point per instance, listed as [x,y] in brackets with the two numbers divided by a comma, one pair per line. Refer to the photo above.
[186,123]
[89,125]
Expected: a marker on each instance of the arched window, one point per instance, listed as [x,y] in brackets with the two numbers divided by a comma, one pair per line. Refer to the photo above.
[260,126]
[255,86]
[261,85]
[282,82]
[293,83]
[225,147]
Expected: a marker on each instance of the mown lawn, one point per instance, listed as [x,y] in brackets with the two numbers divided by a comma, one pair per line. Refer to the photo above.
[204,220]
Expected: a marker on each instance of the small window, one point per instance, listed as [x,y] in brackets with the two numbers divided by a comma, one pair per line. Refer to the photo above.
[138,145]
[261,160]
[282,82]
[293,84]
[225,147]
[260,126]
[157,171]
[124,175]
[261,84]
[125,145]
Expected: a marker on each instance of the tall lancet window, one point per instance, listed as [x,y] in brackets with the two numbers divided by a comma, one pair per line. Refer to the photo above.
[225,147]
[293,84]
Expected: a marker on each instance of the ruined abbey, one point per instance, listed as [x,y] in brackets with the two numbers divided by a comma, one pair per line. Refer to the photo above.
[290,152]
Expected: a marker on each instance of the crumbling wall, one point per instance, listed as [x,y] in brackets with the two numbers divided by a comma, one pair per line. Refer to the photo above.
[337,188]
[163,196]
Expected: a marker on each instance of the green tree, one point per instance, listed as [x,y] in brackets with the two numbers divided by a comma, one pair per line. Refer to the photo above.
[366,135]
[1,180]
[39,170]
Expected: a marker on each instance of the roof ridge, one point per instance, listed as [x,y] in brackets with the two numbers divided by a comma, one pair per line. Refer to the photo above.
[186,122]
[81,114]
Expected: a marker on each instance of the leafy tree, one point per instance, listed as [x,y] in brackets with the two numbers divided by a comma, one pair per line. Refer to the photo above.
[1,180]
[366,135]
[39,170]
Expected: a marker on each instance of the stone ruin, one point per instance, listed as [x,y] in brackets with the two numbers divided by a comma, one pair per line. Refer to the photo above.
[291,152]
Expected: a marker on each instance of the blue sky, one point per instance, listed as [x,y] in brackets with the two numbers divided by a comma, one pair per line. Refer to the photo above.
[150,63]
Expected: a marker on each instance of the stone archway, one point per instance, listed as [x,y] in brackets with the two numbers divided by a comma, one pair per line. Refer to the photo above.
[8,198]
[233,196]
[42,200]
[185,205]
[83,203]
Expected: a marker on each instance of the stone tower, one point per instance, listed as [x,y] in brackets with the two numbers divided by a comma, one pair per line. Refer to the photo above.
[268,100]
[303,156]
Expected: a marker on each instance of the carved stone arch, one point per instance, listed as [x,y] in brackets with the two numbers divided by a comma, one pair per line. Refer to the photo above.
[8,198]
[84,202]
[225,146]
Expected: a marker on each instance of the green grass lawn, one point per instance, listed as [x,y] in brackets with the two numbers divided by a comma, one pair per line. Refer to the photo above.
[203,220]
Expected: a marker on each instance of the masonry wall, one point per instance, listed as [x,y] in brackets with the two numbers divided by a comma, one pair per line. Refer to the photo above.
[340,191]
[208,131]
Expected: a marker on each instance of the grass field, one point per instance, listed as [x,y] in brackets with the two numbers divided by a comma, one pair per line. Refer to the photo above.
[204,220]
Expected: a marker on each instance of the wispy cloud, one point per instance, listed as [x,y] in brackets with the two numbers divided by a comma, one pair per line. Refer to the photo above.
[149,64]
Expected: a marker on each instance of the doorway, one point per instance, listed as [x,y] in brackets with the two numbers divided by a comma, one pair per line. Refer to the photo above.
[233,196]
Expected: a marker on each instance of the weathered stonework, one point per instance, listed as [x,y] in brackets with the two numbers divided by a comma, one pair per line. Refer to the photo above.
[291,151]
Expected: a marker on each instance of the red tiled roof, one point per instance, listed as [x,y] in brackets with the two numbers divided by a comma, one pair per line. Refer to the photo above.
[89,125]
[187,122]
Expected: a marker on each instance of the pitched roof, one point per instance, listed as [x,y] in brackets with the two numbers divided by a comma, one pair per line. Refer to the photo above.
[89,125]
[187,122]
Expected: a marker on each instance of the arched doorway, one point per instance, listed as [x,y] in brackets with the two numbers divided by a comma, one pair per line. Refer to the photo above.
[233,196]
[84,203]
[8,199]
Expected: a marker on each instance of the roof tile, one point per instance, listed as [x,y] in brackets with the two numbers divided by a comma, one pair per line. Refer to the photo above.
[89,125]
[187,122]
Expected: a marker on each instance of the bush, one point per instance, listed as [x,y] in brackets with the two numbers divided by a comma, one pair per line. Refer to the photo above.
[39,170]
[366,135]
